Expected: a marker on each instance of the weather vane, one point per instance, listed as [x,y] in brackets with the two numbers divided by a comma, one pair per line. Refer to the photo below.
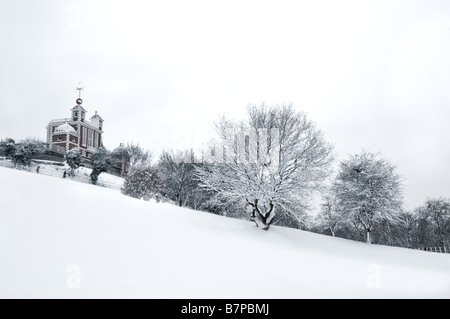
[79,89]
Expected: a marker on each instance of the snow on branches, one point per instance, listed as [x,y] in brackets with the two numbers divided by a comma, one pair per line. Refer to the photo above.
[276,159]
[368,190]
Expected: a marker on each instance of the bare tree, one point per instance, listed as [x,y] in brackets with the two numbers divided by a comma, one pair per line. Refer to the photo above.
[330,215]
[129,156]
[436,212]
[272,162]
[406,229]
[368,190]
[179,176]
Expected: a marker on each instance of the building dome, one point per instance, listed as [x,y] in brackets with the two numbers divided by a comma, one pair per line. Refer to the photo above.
[65,128]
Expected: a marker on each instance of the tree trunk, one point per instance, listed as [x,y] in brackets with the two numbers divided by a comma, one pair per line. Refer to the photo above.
[368,239]
[265,219]
[179,200]
[442,238]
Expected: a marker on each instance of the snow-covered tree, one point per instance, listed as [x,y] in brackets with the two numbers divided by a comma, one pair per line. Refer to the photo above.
[25,151]
[179,176]
[271,164]
[9,146]
[22,156]
[407,228]
[142,182]
[73,159]
[130,155]
[404,231]
[138,155]
[368,190]
[101,161]
[330,215]
[436,213]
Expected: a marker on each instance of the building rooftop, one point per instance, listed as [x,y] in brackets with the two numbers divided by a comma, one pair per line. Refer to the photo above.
[65,128]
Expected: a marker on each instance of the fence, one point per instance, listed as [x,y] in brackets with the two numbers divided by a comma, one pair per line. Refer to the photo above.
[6,163]
[58,171]
[444,249]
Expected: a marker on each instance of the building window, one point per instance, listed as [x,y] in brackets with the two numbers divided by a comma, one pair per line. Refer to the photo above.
[84,136]
[90,138]
[59,139]
[96,140]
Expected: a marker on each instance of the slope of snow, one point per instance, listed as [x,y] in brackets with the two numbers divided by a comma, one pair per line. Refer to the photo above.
[62,239]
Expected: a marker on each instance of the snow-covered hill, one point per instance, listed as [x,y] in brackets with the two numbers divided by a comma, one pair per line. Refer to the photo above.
[63,239]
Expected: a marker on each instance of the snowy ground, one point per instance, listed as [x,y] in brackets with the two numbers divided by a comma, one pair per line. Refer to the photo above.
[63,239]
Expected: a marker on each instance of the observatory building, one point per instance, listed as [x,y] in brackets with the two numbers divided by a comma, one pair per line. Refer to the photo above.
[76,131]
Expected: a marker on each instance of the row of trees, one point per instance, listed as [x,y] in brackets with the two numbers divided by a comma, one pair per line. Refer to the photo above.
[268,169]
[426,226]
[268,174]
[272,178]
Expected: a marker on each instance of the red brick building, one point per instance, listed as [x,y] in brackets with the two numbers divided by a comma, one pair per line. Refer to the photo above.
[77,131]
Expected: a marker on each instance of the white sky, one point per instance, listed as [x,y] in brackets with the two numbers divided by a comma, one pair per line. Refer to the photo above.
[373,75]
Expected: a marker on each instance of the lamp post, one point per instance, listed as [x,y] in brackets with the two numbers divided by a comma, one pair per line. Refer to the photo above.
[123,161]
